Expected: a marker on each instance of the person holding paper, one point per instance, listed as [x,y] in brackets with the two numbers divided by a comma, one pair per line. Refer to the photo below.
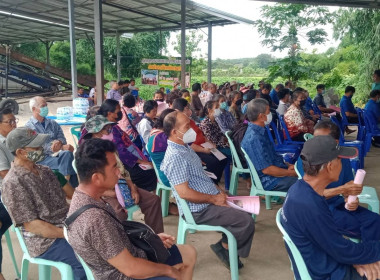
[310,224]
[357,221]
[206,201]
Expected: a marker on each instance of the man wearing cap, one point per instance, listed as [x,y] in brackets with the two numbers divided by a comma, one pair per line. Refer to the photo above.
[307,218]
[58,155]
[36,201]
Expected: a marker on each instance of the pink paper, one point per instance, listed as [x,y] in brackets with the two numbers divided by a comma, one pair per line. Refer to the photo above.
[359,178]
[250,204]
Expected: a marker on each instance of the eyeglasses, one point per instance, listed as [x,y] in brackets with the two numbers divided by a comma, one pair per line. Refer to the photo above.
[12,122]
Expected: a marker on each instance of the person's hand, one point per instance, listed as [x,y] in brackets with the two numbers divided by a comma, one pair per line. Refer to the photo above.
[220,199]
[176,271]
[353,205]
[292,172]
[167,239]
[135,195]
[350,188]
[291,167]
[145,162]
[68,147]
[206,151]
[371,271]
[56,146]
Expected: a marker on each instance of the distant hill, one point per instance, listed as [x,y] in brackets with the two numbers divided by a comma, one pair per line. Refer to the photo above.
[261,61]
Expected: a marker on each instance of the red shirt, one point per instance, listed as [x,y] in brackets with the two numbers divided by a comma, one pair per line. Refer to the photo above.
[200,137]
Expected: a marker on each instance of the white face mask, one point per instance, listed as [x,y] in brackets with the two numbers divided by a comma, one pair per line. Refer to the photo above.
[217,112]
[189,136]
[269,119]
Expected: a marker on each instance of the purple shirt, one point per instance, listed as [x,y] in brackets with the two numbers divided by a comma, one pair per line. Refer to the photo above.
[114,94]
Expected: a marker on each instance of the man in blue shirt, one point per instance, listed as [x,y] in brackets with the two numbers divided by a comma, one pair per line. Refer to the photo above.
[360,222]
[373,106]
[347,107]
[307,219]
[376,79]
[207,202]
[319,100]
[59,154]
[274,174]
[274,93]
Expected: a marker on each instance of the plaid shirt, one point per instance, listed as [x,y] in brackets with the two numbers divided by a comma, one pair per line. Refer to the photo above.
[181,164]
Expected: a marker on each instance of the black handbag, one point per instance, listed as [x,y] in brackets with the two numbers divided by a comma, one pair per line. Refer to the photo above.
[140,235]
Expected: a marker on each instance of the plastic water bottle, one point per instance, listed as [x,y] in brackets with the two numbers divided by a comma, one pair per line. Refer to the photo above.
[359,178]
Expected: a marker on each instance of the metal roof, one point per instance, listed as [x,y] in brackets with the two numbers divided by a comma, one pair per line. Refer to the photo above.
[343,3]
[47,20]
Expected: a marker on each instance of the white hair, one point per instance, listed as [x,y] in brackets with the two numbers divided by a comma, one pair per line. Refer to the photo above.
[33,102]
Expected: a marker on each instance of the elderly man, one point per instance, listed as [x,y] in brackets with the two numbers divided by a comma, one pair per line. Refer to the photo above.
[274,174]
[114,92]
[36,200]
[206,201]
[310,224]
[58,154]
[100,239]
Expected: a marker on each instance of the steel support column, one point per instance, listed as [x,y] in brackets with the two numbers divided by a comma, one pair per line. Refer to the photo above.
[73,49]
[209,55]
[7,61]
[183,43]
[118,56]
[98,24]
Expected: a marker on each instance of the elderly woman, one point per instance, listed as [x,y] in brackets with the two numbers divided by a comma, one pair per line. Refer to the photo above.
[225,120]
[295,120]
[150,205]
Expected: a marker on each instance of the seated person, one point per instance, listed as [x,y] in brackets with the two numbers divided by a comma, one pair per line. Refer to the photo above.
[319,100]
[149,203]
[206,201]
[284,101]
[225,120]
[196,104]
[135,162]
[212,163]
[125,87]
[146,124]
[247,97]
[82,94]
[347,106]
[274,174]
[373,106]
[36,200]
[295,120]
[236,100]
[307,219]
[358,222]
[100,240]
[159,97]
[376,80]
[171,96]
[308,108]
[114,92]
[265,95]
[274,93]
[56,143]
[130,119]
[132,85]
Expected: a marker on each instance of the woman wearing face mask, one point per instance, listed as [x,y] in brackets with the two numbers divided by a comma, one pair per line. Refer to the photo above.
[295,120]
[212,163]
[235,108]
[131,156]
[225,120]
[150,204]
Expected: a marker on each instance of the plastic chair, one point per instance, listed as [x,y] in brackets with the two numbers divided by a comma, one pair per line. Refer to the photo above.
[345,121]
[237,167]
[10,249]
[257,187]
[44,266]
[281,148]
[307,136]
[284,128]
[75,133]
[371,130]
[297,257]
[189,225]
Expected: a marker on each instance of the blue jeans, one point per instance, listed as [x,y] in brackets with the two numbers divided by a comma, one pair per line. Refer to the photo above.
[61,251]
[284,183]
[6,223]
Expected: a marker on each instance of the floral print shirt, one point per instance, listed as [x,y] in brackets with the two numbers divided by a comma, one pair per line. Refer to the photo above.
[296,122]
[213,132]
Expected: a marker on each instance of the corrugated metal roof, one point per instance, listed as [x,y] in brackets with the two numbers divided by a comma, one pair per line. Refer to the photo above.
[47,20]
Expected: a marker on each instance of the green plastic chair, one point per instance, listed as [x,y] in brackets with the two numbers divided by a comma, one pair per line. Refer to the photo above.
[87,270]
[44,266]
[369,197]
[10,249]
[75,133]
[307,136]
[237,167]
[188,224]
[257,187]
[299,262]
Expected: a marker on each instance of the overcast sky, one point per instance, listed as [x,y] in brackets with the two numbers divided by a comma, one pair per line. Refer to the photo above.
[242,40]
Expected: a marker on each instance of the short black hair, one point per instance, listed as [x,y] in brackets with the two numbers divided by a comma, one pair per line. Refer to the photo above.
[330,125]
[90,157]
[287,83]
[169,123]
[280,86]
[5,111]
[129,100]
[249,95]
[182,91]
[171,96]
[374,93]
[282,93]
[149,105]
[132,80]
[349,89]
[160,121]
[299,89]
[209,104]
[108,106]
[127,82]
[320,86]
[180,104]
[267,86]
[377,72]
[120,83]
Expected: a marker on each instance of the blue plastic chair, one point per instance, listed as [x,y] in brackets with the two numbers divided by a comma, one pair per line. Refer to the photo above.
[75,133]
[237,167]
[279,147]
[371,129]
[10,249]
[188,224]
[345,120]
[257,187]
[297,257]
[284,128]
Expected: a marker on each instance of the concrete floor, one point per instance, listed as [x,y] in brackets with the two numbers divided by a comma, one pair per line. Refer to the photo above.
[268,259]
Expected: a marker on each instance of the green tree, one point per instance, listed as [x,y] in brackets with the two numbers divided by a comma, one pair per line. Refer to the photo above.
[192,43]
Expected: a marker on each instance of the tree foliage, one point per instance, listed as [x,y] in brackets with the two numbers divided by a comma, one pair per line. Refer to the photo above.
[192,43]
